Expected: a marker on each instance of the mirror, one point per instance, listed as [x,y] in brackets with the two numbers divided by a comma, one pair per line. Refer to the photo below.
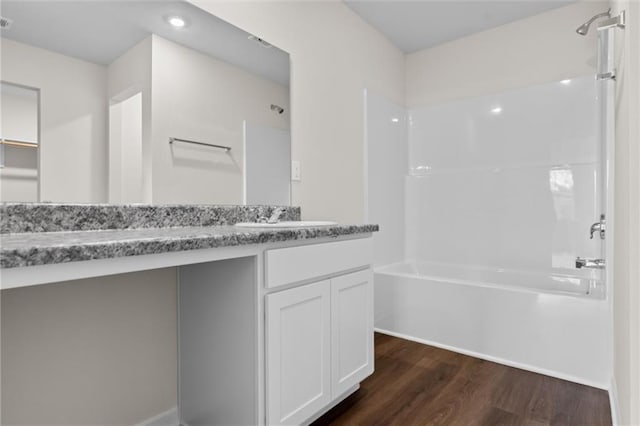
[147,102]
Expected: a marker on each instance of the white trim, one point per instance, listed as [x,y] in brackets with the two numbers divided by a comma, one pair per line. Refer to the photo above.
[333,403]
[521,366]
[168,418]
[613,402]
[50,273]
[244,162]
[178,352]
[365,154]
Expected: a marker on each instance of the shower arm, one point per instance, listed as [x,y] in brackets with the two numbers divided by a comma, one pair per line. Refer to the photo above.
[584,28]
[598,16]
[618,21]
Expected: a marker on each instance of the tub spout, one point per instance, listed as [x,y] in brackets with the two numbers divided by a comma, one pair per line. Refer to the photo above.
[589,263]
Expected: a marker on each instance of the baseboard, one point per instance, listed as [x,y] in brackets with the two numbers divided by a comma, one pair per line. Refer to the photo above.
[613,402]
[335,402]
[503,361]
[168,418]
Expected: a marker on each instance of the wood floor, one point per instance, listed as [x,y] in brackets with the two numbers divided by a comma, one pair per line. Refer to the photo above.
[415,384]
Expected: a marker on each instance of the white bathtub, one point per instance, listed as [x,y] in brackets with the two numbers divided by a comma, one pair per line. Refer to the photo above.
[554,324]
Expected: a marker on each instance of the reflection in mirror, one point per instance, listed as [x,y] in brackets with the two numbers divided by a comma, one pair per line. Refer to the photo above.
[19,143]
[267,165]
[118,82]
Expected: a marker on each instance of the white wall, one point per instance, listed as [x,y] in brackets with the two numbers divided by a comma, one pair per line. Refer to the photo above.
[73,145]
[334,56]
[92,351]
[267,165]
[197,97]
[626,292]
[16,183]
[530,51]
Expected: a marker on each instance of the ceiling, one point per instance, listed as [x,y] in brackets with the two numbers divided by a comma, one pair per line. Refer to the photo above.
[100,31]
[420,24]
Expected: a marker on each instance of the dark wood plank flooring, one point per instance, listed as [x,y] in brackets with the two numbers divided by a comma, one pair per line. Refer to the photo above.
[415,384]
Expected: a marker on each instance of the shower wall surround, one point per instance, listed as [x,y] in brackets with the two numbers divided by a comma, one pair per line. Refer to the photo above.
[507,181]
[387,165]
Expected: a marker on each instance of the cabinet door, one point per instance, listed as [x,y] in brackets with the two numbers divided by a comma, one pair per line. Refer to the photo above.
[351,330]
[298,353]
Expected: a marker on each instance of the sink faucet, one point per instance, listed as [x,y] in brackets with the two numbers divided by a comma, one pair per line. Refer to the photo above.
[276,214]
[598,226]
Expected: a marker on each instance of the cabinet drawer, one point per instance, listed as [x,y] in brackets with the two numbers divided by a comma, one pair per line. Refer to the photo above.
[293,264]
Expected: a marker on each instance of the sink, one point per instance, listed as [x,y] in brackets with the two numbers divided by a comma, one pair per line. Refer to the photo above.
[291,224]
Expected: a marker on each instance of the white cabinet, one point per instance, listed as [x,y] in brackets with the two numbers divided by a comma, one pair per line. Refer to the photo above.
[296,264]
[351,330]
[319,344]
[298,353]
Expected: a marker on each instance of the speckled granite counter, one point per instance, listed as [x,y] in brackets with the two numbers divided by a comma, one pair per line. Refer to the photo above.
[27,249]
[51,217]
[112,234]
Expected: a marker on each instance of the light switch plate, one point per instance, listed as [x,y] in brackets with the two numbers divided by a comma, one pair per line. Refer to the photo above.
[295,171]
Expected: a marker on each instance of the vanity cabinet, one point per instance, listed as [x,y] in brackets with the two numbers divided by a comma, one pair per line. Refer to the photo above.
[319,335]
[278,337]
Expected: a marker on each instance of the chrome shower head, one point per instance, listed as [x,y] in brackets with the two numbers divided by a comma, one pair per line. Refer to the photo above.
[584,28]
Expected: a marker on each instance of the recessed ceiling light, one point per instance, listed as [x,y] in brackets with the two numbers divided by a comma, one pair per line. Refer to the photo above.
[5,23]
[496,110]
[395,120]
[176,21]
[565,82]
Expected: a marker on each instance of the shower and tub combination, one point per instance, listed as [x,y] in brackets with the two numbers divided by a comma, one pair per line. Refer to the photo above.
[493,213]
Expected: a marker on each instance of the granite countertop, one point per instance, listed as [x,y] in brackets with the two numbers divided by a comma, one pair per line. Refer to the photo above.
[41,234]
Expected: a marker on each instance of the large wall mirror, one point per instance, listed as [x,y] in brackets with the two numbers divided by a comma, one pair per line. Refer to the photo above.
[141,102]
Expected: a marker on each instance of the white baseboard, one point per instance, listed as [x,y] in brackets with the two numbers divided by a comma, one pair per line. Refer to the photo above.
[507,362]
[168,418]
[335,402]
[613,402]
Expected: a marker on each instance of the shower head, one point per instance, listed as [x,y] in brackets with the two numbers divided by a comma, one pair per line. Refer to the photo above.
[584,28]
[277,108]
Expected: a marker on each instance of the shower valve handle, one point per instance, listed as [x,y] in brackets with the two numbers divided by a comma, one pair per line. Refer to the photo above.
[598,226]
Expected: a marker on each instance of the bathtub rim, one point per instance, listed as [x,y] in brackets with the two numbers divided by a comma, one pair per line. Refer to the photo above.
[596,286]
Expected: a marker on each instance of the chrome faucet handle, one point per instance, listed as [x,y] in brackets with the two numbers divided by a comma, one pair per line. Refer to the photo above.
[276,214]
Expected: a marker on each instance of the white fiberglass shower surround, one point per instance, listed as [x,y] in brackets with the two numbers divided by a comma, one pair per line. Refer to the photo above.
[484,205]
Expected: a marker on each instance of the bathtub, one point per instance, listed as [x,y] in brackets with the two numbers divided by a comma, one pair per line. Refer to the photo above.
[551,324]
